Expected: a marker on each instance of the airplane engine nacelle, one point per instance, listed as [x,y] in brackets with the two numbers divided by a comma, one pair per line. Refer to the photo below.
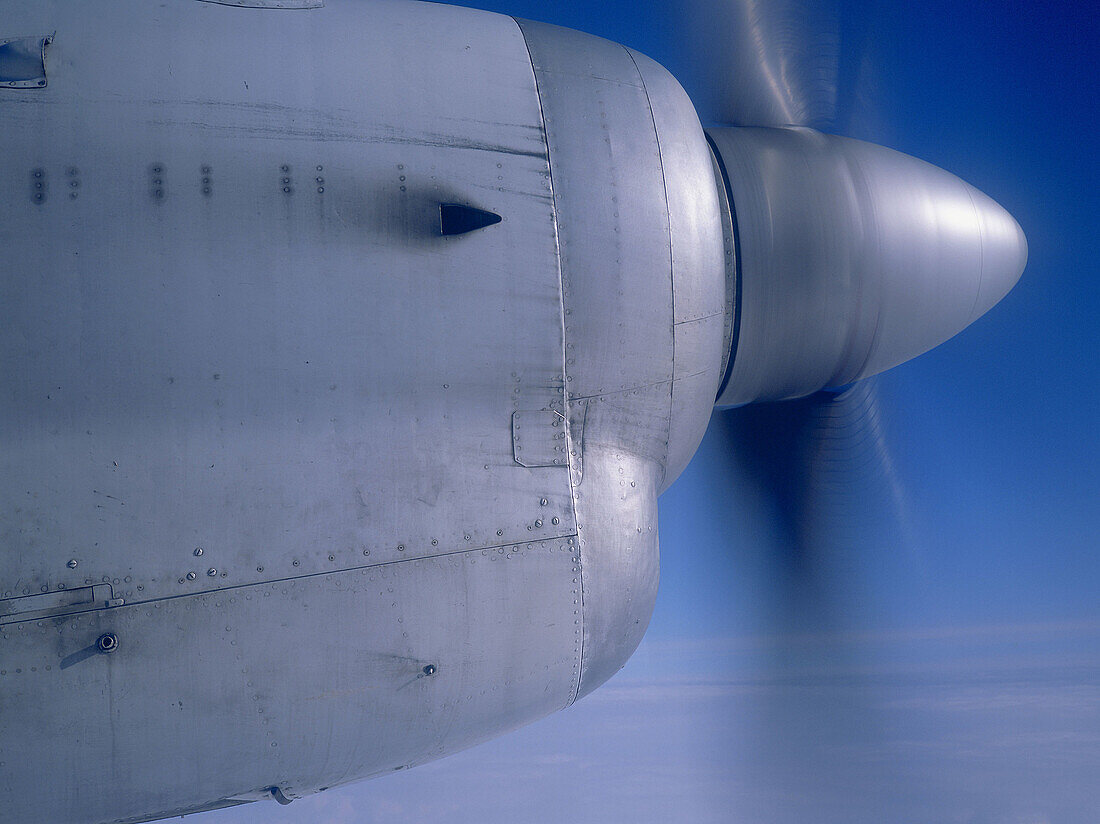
[852,258]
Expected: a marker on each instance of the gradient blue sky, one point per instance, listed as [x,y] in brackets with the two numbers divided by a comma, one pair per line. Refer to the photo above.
[953,673]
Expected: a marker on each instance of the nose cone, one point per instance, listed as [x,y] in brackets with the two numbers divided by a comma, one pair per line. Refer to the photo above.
[853,258]
[1004,251]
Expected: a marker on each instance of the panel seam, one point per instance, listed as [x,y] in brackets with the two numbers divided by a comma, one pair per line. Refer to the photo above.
[566,399]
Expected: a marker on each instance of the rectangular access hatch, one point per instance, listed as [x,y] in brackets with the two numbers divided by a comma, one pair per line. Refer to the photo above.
[23,62]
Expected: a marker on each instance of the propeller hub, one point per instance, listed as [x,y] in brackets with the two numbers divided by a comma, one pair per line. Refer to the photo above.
[851,258]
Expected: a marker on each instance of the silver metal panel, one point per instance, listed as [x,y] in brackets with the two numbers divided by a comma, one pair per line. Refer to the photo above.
[698,372]
[299,684]
[617,528]
[694,215]
[236,347]
[616,265]
[253,390]
[611,210]
[698,264]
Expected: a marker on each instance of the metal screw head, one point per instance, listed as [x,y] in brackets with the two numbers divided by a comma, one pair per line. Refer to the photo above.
[191,576]
[71,564]
[211,572]
[538,522]
[198,551]
[429,670]
[543,502]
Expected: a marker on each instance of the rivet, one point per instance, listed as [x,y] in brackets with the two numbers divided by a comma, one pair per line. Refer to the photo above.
[297,562]
[72,564]
[332,557]
[400,547]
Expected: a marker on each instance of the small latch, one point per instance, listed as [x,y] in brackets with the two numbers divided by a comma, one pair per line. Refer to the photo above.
[23,62]
[57,603]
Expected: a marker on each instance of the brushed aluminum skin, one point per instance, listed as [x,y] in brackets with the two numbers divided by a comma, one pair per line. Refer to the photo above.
[312,469]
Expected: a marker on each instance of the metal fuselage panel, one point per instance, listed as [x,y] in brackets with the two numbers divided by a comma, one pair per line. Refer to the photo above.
[350,494]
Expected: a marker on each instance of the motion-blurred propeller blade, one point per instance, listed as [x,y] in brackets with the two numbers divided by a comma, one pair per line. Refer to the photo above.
[825,465]
[765,62]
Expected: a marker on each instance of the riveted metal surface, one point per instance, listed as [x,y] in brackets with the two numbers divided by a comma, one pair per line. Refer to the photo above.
[698,261]
[255,690]
[253,390]
[611,210]
[634,232]
[295,381]
[539,438]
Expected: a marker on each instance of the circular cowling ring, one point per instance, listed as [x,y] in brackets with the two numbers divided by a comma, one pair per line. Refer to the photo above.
[107,643]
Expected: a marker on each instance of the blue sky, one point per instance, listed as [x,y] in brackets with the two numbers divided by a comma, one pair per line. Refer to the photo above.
[951,670]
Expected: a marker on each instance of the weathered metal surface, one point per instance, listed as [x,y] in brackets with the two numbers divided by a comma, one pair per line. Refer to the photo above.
[539,438]
[59,602]
[364,494]
[299,684]
[635,231]
[698,266]
[318,373]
